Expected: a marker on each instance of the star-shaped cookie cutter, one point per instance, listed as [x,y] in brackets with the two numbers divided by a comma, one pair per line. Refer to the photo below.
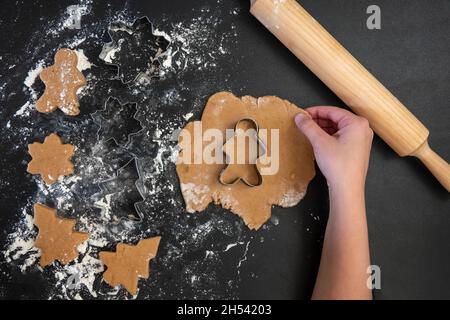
[142,24]
[261,151]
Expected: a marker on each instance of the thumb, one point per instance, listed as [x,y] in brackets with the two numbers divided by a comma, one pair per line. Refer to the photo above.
[310,129]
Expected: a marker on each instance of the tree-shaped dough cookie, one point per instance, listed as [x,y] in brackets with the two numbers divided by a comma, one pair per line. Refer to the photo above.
[62,80]
[51,159]
[56,238]
[129,263]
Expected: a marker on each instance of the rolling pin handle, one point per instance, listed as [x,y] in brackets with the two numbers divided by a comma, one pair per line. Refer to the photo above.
[438,166]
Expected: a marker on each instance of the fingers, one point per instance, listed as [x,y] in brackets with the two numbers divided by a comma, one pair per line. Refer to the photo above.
[311,129]
[325,123]
[339,117]
[330,131]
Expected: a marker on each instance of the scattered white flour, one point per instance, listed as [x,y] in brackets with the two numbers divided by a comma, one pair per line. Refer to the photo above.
[275,220]
[163,34]
[75,14]
[22,248]
[76,42]
[33,74]
[82,272]
[243,259]
[104,204]
[190,44]
[83,61]
[226,200]
[194,194]
[232,245]
[109,52]
[96,232]
[167,56]
[292,198]
[195,47]
[209,253]
[166,153]
[24,110]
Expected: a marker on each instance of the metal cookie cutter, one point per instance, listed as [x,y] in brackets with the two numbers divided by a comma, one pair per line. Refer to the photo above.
[135,50]
[125,184]
[260,152]
[117,121]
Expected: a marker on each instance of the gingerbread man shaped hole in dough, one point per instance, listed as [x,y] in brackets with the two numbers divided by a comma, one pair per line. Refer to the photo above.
[242,152]
[62,80]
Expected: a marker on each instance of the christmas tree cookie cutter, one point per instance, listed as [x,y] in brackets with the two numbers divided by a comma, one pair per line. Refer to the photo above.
[121,194]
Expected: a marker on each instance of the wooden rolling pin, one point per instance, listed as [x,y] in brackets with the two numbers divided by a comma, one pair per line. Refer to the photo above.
[350,81]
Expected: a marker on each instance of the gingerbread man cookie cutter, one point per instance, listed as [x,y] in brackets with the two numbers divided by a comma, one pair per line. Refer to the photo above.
[261,150]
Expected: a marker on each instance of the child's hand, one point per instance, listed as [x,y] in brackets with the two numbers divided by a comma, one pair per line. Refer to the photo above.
[341,142]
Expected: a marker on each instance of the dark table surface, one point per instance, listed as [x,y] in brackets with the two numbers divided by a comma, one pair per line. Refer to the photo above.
[408,211]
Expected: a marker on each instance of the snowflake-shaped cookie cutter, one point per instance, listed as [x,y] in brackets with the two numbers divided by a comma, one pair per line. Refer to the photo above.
[99,117]
[142,35]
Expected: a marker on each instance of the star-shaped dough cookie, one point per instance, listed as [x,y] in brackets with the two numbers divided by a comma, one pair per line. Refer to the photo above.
[129,263]
[62,80]
[51,159]
[56,238]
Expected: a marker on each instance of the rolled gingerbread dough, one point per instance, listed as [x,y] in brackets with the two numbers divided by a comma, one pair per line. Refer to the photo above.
[200,182]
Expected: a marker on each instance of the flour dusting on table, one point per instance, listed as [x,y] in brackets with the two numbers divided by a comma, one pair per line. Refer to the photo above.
[197,251]
[193,248]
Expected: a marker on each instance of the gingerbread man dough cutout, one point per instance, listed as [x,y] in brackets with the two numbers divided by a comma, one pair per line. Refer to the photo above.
[62,80]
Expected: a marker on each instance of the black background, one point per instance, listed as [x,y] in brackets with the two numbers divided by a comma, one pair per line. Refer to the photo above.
[408,211]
